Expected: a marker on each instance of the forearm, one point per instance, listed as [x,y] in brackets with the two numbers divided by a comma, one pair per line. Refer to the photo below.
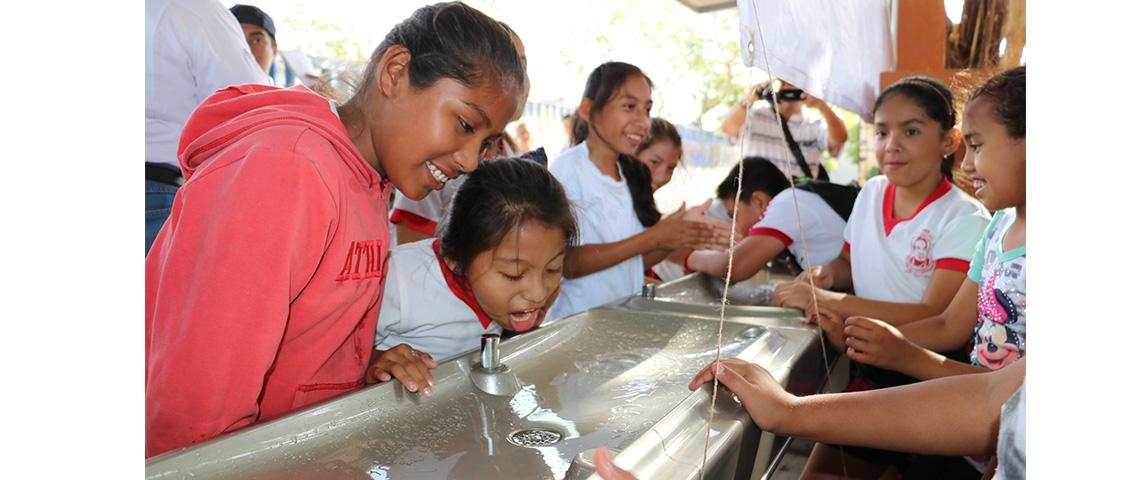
[840,272]
[924,364]
[936,333]
[891,312]
[734,120]
[836,130]
[946,416]
[586,259]
[709,262]
[653,257]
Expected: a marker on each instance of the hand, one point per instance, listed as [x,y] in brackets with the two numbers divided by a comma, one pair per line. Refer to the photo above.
[699,213]
[799,295]
[832,326]
[875,342]
[813,102]
[675,232]
[754,93]
[769,405]
[605,468]
[411,367]
[822,278]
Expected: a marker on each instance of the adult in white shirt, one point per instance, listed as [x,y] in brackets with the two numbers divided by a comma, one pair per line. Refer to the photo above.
[762,134]
[193,47]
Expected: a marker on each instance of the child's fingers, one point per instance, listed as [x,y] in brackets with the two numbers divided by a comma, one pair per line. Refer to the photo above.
[704,376]
[859,344]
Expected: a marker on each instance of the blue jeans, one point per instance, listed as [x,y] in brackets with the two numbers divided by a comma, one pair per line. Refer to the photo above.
[159,199]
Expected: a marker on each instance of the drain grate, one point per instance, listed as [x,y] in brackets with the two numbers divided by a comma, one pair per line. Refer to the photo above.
[534,437]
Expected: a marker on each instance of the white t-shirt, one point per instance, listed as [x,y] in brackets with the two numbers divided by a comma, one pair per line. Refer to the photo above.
[1011,438]
[425,215]
[893,260]
[193,47]
[424,308]
[762,137]
[603,208]
[822,226]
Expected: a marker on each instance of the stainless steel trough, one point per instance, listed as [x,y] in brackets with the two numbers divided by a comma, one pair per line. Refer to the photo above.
[613,377]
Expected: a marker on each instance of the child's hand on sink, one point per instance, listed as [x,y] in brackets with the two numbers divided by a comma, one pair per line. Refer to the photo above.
[404,363]
[766,401]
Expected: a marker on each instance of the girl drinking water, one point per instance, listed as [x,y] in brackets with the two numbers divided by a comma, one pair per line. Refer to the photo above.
[495,267]
[907,246]
[263,287]
[617,243]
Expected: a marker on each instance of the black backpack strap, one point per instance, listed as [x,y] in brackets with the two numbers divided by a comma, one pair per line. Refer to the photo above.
[794,146]
[841,198]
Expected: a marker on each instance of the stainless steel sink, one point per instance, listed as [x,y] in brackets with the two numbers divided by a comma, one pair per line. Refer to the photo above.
[700,294]
[612,378]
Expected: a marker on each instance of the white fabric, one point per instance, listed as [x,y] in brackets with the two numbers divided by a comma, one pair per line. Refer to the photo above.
[822,226]
[833,50]
[763,137]
[1011,438]
[435,205]
[603,208]
[718,211]
[193,47]
[897,268]
[432,207]
[419,309]
[668,270]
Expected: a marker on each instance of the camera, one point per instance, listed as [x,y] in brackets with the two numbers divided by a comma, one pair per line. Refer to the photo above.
[784,95]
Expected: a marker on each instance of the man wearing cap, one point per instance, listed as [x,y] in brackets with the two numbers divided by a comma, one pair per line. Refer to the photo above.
[260,33]
[193,47]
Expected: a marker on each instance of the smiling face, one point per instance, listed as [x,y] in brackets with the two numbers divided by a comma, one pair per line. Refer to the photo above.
[423,138]
[994,160]
[908,143]
[662,158]
[514,281]
[623,121]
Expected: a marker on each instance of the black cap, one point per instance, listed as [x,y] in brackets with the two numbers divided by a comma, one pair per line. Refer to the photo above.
[252,15]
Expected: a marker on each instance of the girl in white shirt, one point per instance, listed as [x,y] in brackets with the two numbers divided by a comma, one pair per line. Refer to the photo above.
[616,242]
[496,266]
[909,242]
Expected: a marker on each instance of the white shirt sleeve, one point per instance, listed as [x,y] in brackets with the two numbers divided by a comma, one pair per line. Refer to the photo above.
[389,319]
[781,216]
[959,238]
[219,54]
[430,208]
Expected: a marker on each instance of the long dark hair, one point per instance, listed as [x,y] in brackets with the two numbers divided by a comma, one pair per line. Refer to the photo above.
[601,86]
[936,101]
[498,197]
[449,40]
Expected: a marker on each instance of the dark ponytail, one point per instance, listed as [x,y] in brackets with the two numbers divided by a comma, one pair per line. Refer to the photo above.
[601,86]
[936,101]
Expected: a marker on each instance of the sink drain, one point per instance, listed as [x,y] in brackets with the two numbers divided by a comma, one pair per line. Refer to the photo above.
[534,437]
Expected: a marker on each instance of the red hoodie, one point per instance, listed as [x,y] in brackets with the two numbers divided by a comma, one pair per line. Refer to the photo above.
[263,287]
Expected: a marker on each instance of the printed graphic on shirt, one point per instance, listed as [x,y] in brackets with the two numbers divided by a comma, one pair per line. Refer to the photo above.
[364,260]
[999,337]
[918,262]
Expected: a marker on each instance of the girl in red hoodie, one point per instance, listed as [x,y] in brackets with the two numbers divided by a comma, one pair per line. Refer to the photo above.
[263,287]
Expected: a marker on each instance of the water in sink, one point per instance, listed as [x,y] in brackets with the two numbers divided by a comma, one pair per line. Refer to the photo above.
[600,380]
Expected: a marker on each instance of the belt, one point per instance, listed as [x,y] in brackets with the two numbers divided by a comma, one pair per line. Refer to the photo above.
[164,175]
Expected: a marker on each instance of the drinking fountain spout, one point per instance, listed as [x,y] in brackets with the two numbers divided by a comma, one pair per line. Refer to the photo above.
[489,374]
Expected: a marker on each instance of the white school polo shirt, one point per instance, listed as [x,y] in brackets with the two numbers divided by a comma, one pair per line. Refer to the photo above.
[822,226]
[892,259]
[425,215]
[428,307]
[603,208]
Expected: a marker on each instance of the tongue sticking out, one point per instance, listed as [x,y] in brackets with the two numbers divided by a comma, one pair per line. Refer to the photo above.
[523,321]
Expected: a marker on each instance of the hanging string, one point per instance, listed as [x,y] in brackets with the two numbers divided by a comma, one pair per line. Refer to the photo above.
[803,237]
